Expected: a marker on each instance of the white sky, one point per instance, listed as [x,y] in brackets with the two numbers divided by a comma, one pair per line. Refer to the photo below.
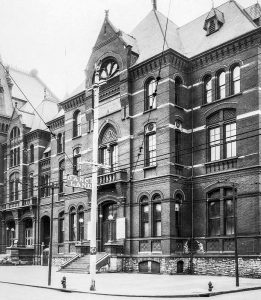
[56,36]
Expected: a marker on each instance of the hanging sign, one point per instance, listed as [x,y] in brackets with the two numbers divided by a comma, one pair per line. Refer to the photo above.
[79,182]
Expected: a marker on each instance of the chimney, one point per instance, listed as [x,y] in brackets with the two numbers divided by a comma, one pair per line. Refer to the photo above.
[154,4]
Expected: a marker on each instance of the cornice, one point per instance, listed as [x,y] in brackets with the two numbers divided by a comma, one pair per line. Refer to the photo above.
[36,134]
[56,123]
[169,57]
[225,50]
[74,101]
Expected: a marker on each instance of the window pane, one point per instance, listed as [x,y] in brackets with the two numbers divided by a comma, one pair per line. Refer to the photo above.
[236,80]
[214,218]
[208,90]
[230,130]
[214,143]
[222,85]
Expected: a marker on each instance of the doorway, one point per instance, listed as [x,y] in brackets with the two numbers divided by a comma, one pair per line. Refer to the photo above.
[45,230]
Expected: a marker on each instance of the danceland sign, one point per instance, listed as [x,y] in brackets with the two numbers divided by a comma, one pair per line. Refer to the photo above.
[79,182]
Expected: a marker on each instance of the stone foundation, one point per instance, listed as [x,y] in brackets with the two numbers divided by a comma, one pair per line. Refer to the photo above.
[58,260]
[249,266]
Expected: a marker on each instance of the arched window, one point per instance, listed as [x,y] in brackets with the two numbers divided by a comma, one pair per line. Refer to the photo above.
[208,89]
[235,80]
[77,161]
[14,187]
[60,143]
[150,96]
[61,175]
[77,123]
[150,145]
[144,216]
[72,222]
[222,134]
[45,185]
[220,211]
[11,158]
[81,223]
[109,69]
[108,147]
[15,133]
[221,85]
[156,207]
[32,153]
[178,89]
[61,227]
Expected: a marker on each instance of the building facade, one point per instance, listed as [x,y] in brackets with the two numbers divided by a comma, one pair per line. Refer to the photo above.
[178,143]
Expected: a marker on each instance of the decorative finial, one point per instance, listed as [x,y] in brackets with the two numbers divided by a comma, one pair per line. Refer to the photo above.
[213,4]
[106,13]
[154,4]
[45,92]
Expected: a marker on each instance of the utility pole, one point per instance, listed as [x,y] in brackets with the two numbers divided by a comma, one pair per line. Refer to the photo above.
[235,233]
[93,249]
[51,240]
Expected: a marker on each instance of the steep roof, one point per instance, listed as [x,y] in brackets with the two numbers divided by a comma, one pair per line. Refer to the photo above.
[6,105]
[149,35]
[32,87]
[190,39]
[196,41]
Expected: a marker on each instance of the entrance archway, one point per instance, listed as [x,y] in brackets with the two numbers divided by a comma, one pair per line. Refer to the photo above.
[107,223]
[45,231]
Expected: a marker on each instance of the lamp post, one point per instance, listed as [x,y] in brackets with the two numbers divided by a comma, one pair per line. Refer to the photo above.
[235,233]
[6,239]
[12,235]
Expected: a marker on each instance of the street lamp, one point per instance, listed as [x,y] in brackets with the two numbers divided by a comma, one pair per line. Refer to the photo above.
[12,235]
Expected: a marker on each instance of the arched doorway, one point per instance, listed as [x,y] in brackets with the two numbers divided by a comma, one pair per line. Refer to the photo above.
[10,233]
[45,230]
[107,223]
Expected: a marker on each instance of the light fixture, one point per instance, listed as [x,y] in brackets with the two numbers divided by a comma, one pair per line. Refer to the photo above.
[110,217]
[12,229]
[177,206]
[100,215]
[7,228]
[81,220]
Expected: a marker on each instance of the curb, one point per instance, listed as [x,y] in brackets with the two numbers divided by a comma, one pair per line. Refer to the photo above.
[208,294]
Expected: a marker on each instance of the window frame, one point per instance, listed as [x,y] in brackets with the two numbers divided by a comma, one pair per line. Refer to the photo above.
[207,91]
[150,102]
[61,231]
[77,161]
[233,82]
[150,154]
[77,124]
[221,86]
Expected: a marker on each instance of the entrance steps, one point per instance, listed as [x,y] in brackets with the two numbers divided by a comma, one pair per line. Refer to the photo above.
[81,264]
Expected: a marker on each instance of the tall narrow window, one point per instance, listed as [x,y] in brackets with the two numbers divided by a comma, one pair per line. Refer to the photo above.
[150,97]
[208,89]
[14,187]
[221,85]
[11,158]
[59,143]
[214,214]
[230,131]
[77,123]
[31,185]
[61,227]
[108,153]
[150,145]
[72,224]
[235,80]
[177,146]
[61,175]
[77,161]
[81,223]
[156,204]
[32,153]
[144,217]
[214,138]
[228,211]
[178,89]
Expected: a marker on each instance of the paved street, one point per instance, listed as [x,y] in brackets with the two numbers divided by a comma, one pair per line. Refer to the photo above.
[14,292]
[116,283]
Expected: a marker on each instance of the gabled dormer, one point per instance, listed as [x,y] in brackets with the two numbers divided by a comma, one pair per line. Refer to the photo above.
[254,12]
[214,21]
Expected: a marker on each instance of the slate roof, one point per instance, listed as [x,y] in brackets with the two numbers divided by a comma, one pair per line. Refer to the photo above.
[190,39]
[32,87]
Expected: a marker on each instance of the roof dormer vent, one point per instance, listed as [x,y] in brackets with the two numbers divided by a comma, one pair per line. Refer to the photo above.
[214,21]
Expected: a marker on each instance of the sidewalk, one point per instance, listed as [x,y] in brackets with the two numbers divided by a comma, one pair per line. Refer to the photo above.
[127,284]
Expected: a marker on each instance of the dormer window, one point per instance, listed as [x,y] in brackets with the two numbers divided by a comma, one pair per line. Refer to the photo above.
[214,21]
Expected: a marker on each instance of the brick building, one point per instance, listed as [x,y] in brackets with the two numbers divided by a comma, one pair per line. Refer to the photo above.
[171,160]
